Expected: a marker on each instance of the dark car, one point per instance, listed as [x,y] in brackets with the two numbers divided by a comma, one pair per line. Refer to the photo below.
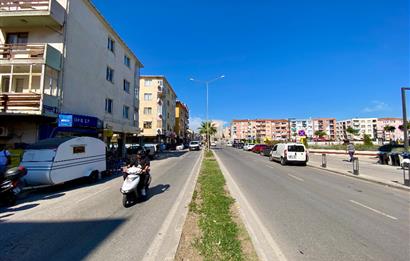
[240,145]
[266,151]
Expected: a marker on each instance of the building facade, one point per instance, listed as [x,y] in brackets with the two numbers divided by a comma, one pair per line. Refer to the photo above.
[386,135]
[157,109]
[327,125]
[362,125]
[181,121]
[63,57]
[260,129]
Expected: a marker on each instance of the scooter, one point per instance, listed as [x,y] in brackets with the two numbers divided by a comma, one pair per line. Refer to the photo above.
[11,185]
[132,189]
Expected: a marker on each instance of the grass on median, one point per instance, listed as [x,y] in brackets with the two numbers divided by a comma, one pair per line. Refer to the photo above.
[219,233]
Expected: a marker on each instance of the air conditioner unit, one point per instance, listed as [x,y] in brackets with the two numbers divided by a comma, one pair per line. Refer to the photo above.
[4,132]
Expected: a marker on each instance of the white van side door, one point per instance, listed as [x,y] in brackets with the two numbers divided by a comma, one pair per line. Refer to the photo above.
[274,151]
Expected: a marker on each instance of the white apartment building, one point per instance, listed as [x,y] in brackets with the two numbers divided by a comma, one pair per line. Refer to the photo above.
[157,113]
[363,125]
[300,126]
[63,57]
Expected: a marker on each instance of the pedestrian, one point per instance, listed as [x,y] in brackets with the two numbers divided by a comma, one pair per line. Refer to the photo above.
[5,158]
[351,150]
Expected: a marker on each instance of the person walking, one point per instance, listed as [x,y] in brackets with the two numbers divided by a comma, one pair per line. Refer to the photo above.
[351,150]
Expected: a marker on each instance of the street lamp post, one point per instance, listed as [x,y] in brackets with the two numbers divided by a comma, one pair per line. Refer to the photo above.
[207,104]
[403,99]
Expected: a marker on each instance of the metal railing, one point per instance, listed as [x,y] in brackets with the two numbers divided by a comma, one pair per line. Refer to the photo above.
[21,51]
[24,5]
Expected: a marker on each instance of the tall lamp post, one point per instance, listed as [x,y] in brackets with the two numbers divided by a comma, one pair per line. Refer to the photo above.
[403,99]
[207,85]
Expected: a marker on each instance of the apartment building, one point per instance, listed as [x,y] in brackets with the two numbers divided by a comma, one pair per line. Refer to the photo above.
[385,135]
[60,57]
[157,109]
[301,127]
[363,125]
[327,125]
[260,129]
[181,121]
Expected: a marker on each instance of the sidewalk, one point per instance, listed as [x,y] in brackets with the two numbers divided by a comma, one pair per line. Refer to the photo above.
[369,169]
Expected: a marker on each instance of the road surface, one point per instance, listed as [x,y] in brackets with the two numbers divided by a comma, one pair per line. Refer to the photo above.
[88,222]
[316,215]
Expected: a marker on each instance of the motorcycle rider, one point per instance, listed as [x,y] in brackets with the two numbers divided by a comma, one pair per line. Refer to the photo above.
[143,160]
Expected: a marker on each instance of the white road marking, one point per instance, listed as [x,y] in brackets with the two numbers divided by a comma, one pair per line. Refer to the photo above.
[266,247]
[374,210]
[293,176]
[171,229]
[269,166]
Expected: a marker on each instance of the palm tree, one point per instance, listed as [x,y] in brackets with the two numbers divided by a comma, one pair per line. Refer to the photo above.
[208,129]
[320,133]
[389,129]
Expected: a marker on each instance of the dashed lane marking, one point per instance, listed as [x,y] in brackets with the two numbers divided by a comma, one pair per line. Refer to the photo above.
[374,210]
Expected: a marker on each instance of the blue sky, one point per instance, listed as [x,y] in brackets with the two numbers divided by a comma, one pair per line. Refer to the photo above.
[281,59]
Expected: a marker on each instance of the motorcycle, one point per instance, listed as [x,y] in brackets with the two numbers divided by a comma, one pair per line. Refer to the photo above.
[132,187]
[11,184]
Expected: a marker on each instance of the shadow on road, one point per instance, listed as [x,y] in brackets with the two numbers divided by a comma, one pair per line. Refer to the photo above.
[158,189]
[171,154]
[65,240]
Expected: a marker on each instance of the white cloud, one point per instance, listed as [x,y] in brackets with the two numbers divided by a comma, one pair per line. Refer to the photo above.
[377,106]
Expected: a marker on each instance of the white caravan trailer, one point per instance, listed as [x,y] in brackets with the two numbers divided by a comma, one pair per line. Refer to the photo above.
[58,160]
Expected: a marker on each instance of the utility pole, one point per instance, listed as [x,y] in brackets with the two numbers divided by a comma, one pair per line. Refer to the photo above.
[404,107]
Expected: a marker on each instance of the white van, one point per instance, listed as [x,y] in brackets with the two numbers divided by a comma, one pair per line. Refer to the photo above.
[289,152]
[58,160]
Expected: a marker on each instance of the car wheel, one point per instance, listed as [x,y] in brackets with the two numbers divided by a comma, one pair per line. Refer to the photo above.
[282,161]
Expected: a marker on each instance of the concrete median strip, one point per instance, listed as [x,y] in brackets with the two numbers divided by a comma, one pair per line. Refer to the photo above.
[265,245]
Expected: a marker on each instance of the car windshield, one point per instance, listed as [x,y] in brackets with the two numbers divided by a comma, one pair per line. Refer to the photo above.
[194,142]
[296,148]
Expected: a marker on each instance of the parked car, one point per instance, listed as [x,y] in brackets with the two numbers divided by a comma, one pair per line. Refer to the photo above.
[213,143]
[240,145]
[289,153]
[58,160]
[266,151]
[258,148]
[180,147]
[194,145]
[248,146]
[151,149]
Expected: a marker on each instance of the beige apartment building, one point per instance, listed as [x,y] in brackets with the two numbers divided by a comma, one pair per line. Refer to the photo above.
[157,109]
[181,121]
[363,125]
[260,129]
[62,57]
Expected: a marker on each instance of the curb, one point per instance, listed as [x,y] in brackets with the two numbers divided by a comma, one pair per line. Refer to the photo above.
[363,178]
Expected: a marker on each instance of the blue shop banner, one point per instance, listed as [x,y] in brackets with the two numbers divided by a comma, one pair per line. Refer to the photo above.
[78,121]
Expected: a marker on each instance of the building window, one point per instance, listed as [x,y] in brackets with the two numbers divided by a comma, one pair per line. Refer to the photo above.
[126,86]
[109,76]
[147,96]
[160,82]
[108,105]
[111,44]
[127,61]
[125,112]
[147,110]
[147,82]
[147,124]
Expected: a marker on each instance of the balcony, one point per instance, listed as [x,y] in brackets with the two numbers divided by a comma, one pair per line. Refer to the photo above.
[31,13]
[11,54]
[29,103]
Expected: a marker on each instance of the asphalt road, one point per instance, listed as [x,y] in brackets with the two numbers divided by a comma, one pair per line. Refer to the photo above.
[80,221]
[316,215]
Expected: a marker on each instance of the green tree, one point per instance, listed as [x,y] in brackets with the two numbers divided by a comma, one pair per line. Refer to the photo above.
[320,133]
[367,141]
[352,131]
[208,129]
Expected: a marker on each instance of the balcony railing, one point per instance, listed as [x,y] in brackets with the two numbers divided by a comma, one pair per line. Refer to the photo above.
[19,102]
[24,5]
[22,51]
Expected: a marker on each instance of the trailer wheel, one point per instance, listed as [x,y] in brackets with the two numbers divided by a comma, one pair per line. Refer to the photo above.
[93,178]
